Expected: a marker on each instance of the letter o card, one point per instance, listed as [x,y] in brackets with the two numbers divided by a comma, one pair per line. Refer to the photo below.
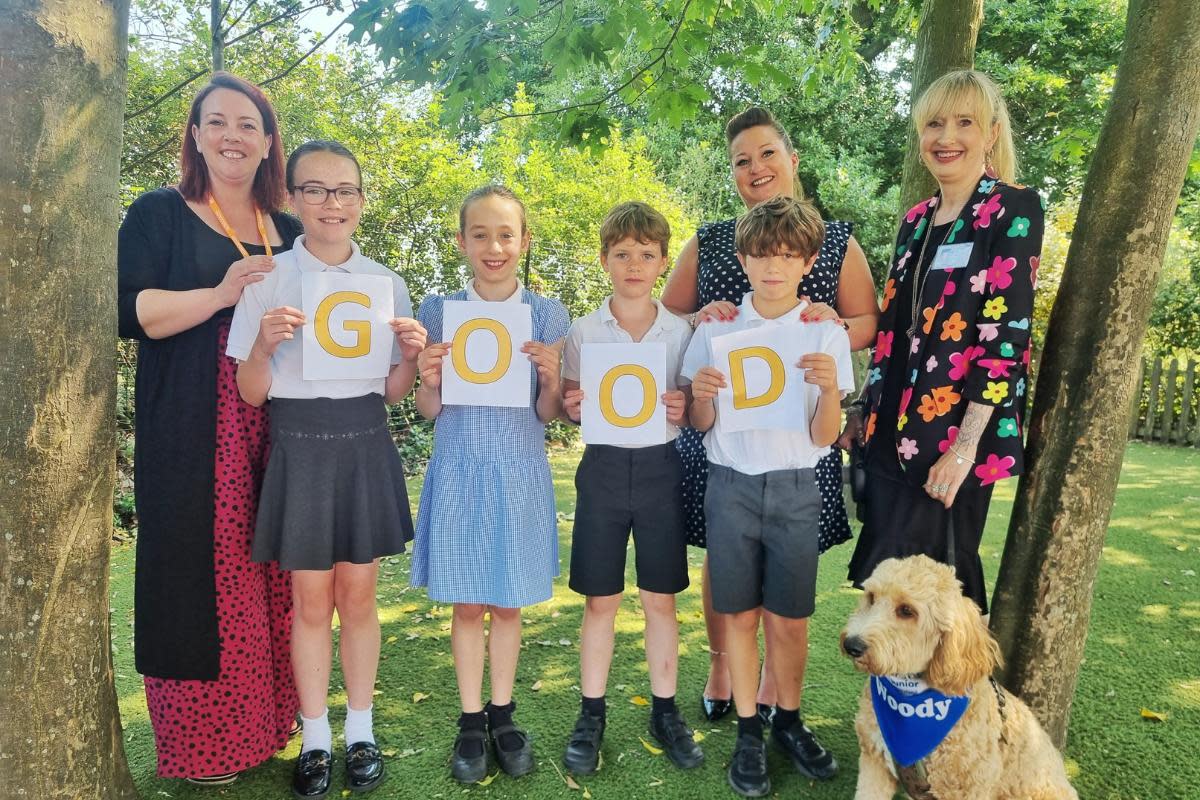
[622,387]
[486,366]
[764,390]
[347,334]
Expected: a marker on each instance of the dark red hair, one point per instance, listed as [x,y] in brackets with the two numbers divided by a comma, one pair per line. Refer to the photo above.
[268,190]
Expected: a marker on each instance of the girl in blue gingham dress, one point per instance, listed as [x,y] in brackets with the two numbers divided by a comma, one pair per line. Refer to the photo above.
[486,536]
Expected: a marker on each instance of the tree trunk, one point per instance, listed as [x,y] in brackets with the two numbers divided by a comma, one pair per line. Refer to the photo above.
[215,36]
[1085,383]
[61,102]
[945,42]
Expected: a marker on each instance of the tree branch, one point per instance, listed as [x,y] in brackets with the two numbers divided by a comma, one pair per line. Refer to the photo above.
[661,57]
[144,157]
[293,10]
[165,95]
[311,50]
[240,17]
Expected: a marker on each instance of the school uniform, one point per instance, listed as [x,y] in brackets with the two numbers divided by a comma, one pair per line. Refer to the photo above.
[486,526]
[624,488]
[334,487]
[762,504]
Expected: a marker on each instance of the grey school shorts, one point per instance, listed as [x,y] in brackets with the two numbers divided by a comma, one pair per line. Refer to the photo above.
[762,540]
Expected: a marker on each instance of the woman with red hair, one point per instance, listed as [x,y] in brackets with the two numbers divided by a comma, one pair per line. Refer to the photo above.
[211,628]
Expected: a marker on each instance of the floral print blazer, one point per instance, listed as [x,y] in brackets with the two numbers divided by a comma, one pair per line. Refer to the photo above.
[973,340]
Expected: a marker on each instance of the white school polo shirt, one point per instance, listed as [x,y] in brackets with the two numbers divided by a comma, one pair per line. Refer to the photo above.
[282,287]
[602,327]
[756,452]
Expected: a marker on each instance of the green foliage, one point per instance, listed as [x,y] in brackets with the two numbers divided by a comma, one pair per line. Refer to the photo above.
[1056,61]
[1175,320]
[670,57]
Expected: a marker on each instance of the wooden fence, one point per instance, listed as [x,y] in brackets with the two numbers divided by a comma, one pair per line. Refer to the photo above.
[1166,405]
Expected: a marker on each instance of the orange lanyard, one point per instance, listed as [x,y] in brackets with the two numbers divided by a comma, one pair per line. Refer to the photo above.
[232,234]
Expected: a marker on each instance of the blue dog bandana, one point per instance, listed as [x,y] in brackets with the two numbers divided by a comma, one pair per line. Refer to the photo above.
[913,718]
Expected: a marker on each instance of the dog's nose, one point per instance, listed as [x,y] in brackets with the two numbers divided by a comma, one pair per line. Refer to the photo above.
[854,646]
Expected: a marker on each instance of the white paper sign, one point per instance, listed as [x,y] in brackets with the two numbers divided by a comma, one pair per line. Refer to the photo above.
[622,387]
[347,334]
[764,389]
[486,366]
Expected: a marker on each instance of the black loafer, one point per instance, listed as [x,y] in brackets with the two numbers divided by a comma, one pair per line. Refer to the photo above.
[516,762]
[715,709]
[312,774]
[811,759]
[676,739]
[582,755]
[748,767]
[364,766]
[469,769]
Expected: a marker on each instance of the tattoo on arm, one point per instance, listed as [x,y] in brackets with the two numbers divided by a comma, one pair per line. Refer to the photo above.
[974,421]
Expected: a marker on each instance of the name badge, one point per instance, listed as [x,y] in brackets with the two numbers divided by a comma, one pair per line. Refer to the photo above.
[952,256]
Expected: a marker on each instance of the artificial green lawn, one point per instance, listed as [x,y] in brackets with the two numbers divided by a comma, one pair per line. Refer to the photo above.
[1143,652]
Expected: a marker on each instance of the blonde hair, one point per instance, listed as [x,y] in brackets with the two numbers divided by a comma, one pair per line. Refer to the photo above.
[778,224]
[634,220]
[974,94]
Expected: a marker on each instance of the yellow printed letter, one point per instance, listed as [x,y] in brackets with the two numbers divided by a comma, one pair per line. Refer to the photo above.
[737,371]
[649,396]
[361,328]
[458,352]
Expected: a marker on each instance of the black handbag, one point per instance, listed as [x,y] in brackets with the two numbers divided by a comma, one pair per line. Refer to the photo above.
[858,478]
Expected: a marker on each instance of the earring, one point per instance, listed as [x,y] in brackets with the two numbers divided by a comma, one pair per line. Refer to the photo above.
[988,168]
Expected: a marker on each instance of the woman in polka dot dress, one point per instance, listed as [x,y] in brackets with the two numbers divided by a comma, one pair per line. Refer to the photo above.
[211,628]
[839,287]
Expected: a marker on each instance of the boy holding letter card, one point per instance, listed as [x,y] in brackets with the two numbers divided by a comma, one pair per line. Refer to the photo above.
[762,503]
[633,485]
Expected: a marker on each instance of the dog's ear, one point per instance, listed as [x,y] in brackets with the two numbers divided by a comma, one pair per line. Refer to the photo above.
[966,654]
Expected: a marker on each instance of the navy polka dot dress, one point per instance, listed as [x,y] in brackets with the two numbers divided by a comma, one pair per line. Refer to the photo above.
[719,276]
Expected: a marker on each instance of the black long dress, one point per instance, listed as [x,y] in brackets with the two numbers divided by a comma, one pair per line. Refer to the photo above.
[162,244]
[719,276]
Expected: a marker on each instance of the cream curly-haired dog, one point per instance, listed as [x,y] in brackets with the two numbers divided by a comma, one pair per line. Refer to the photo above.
[913,621]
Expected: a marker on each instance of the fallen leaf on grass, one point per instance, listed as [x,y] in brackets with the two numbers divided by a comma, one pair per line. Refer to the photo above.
[1157,716]
[412,636]
[571,784]
[376,692]
[655,751]
[392,640]
[419,696]
[638,700]
[408,609]
[389,753]
[537,686]
[488,780]
[698,737]
[565,642]
[656,781]
[587,793]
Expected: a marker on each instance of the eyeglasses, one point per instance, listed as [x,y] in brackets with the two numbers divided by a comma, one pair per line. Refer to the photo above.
[316,195]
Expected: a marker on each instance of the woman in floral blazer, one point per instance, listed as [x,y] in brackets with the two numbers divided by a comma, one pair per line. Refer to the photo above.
[944,398]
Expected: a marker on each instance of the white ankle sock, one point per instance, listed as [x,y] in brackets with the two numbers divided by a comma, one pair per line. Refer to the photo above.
[317,734]
[358,725]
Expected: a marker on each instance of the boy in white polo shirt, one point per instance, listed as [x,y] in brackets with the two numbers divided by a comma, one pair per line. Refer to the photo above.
[762,504]
[636,488]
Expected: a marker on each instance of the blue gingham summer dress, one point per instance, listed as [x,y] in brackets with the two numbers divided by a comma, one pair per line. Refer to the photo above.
[486,528]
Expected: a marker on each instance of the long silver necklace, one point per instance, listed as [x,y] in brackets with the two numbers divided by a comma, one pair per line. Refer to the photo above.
[920,280]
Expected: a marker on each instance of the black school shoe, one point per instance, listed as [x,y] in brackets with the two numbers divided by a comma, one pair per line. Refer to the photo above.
[811,759]
[715,709]
[469,769]
[312,774]
[514,762]
[676,739]
[582,755]
[364,766]
[748,767]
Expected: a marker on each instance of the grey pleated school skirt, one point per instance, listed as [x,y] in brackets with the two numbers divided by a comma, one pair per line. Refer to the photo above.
[334,485]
